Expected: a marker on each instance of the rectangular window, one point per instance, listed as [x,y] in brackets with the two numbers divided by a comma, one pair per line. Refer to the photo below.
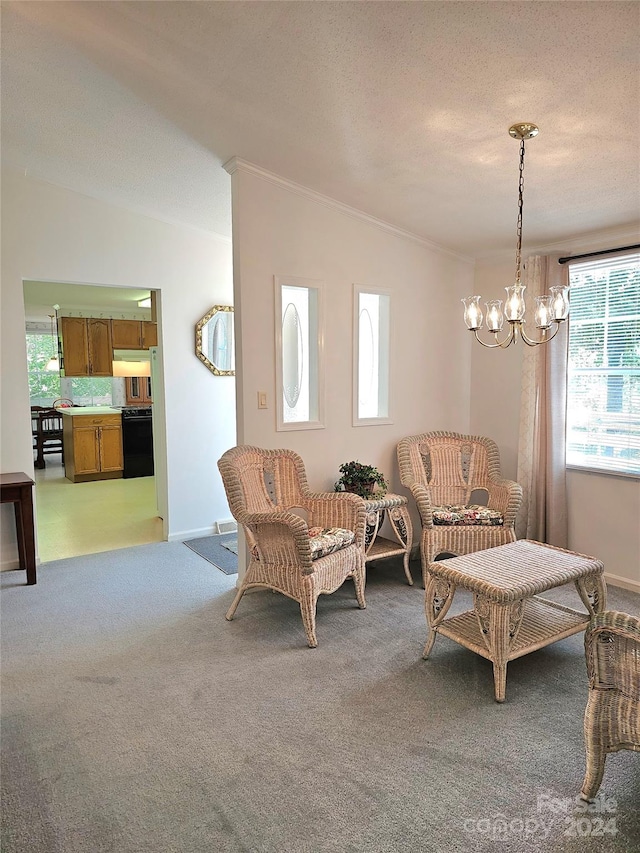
[44,385]
[298,354]
[371,311]
[91,390]
[603,403]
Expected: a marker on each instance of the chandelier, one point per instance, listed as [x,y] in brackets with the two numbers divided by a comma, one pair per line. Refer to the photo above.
[53,365]
[550,311]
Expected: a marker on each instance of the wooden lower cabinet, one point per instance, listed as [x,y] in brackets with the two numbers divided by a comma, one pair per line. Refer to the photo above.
[92,447]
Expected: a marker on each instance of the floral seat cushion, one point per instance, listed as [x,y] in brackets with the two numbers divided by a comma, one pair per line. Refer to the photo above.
[323,541]
[467,515]
[326,540]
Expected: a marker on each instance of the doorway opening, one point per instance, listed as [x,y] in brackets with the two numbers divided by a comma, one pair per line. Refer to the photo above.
[83,502]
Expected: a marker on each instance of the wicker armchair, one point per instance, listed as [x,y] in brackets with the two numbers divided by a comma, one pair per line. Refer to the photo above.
[612,717]
[266,490]
[442,470]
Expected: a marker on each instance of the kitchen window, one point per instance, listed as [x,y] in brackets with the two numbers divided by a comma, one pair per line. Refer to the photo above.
[44,385]
[603,378]
[89,390]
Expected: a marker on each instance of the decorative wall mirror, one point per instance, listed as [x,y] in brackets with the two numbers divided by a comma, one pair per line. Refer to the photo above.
[215,340]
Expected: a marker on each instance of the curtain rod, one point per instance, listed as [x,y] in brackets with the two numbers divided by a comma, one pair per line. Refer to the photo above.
[595,254]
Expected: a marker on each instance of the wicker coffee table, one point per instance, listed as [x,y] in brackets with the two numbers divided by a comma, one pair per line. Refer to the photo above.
[509,619]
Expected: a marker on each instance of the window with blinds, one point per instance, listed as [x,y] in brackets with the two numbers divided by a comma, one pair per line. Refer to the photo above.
[603,402]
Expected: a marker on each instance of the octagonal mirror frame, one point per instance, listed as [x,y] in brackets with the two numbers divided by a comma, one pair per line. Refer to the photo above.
[215,340]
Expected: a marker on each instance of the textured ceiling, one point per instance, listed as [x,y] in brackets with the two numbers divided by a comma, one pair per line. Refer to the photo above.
[398,109]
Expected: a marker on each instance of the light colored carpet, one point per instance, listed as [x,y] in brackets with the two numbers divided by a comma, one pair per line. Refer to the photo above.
[137,720]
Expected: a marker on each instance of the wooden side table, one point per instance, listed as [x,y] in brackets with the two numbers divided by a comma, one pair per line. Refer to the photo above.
[377,547]
[17,488]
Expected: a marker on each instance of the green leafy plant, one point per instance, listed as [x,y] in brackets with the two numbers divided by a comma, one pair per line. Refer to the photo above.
[360,479]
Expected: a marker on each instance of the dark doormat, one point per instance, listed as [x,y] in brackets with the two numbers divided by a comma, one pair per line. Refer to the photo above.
[217,550]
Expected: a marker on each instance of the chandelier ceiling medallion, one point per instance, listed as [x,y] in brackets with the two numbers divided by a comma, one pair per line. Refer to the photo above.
[550,311]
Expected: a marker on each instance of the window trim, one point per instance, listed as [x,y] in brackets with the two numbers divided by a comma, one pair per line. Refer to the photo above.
[573,465]
[357,421]
[319,287]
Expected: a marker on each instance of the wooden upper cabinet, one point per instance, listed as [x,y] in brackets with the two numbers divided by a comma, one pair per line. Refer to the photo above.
[138,390]
[134,334]
[75,346]
[126,334]
[86,346]
[100,347]
[149,334]
[88,342]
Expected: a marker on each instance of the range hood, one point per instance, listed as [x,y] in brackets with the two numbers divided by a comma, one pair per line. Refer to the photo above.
[131,362]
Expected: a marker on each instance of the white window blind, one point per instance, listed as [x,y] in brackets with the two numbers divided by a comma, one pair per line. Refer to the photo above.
[603,401]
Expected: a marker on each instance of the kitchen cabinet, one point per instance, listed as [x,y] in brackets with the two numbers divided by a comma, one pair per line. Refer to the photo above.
[92,447]
[87,349]
[134,334]
[149,334]
[138,390]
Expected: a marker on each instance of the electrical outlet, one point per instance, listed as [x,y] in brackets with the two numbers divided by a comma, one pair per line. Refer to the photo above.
[262,399]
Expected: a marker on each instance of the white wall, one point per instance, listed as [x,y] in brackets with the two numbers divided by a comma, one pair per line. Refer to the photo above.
[281,230]
[603,510]
[53,234]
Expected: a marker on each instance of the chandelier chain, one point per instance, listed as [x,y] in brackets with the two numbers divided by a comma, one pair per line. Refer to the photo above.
[519,223]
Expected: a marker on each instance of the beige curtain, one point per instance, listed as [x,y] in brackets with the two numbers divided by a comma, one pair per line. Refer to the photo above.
[541,445]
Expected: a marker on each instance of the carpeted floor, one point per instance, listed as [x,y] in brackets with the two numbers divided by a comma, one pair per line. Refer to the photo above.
[137,720]
[221,550]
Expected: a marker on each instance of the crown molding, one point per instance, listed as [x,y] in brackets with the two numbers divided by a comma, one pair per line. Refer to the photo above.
[592,240]
[237,164]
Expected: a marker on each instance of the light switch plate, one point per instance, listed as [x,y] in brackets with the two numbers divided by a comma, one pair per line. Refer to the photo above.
[262,399]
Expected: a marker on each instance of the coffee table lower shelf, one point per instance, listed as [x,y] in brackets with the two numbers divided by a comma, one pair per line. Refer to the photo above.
[543,622]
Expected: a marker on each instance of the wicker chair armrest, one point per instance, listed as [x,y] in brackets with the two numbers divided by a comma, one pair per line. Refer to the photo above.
[337,509]
[281,538]
[619,625]
[614,622]
[506,496]
[423,501]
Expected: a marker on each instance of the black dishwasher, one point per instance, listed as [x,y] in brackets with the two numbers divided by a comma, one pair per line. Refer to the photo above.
[137,441]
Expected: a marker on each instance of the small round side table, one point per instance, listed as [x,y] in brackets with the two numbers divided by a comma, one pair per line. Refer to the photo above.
[377,547]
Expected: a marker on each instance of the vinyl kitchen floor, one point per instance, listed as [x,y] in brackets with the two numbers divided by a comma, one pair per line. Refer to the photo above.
[83,518]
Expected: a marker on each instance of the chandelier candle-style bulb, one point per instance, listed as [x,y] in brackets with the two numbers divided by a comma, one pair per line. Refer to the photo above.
[560,301]
[543,314]
[514,306]
[495,317]
[472,312]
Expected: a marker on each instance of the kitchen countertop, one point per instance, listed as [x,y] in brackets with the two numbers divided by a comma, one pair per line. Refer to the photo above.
[89,410]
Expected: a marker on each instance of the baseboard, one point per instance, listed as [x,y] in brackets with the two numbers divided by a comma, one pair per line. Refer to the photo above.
[192,534]
[625,583]
[13,565]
